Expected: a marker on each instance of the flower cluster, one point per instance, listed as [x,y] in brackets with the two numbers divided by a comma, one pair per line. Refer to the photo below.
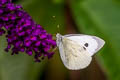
[22,33]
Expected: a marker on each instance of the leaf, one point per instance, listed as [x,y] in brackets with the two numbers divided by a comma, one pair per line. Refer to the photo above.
[101,18]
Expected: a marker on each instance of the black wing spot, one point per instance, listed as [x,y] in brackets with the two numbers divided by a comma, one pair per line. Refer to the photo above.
[86,44]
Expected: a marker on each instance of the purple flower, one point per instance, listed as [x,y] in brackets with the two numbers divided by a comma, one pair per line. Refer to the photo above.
[4,1]
[22,33]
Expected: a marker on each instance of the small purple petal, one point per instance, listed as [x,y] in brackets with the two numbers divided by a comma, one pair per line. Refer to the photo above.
[38,43]
[43,36]
[29,53]
[33,38]
[22,49]
[27,43]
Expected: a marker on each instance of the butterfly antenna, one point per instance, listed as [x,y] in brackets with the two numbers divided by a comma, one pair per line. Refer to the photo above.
[58,28]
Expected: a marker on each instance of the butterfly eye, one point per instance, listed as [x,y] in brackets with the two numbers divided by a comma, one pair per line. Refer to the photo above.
[86,44]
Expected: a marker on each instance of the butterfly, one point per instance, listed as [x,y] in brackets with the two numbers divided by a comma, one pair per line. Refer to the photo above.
[76,50]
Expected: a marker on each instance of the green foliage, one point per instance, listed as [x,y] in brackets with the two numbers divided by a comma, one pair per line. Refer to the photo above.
[101,18]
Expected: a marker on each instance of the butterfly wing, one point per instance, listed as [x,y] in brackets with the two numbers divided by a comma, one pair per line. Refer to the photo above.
[76,49]
[94,43]
[73,55]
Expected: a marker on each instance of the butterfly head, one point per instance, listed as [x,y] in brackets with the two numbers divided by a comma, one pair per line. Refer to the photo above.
[59,38]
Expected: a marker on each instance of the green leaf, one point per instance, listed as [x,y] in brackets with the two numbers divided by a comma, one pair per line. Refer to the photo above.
[101,18]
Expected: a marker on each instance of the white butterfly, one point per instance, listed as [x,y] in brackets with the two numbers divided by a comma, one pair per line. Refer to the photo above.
[76,50]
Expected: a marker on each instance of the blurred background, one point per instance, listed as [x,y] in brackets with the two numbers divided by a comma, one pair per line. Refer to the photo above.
[94,17]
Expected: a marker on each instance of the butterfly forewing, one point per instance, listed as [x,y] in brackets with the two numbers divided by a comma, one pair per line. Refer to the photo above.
[73,55]
[94,43]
